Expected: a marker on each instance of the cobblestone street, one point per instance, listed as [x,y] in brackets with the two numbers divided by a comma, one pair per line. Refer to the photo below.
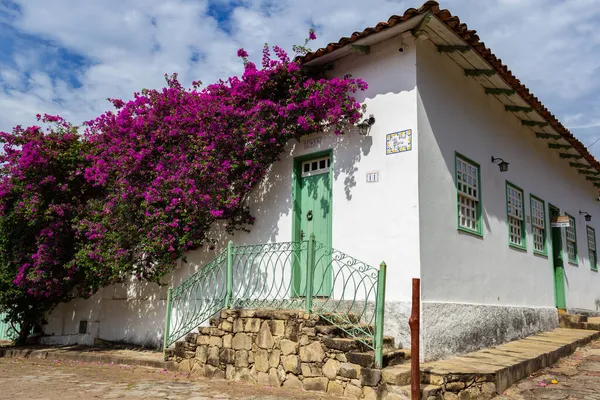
[573,377]
[25,379]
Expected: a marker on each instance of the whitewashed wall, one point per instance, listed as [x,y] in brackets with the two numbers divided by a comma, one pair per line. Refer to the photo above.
[372,222]
[479,289]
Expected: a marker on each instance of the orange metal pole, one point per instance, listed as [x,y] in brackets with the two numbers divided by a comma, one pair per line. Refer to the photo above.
[414,322]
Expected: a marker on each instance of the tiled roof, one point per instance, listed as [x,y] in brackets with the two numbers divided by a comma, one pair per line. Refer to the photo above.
[470,37]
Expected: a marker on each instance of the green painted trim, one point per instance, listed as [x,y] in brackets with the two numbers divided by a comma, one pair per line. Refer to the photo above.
[229,276]
[380,315]
[479,231]
[167,322]
[296,195]
[498,91]
[558,270]
[595,266]
[310,271]
[523,222]
[576,261]
[453,48]
[517,108]
[526,122]
[480,72]
[545,251]
[296,175]
[573,156]
[559,146]
[544,135]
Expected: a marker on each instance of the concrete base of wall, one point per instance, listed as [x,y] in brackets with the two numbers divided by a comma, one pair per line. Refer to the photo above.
[581,311]
[396,322]
[449,329]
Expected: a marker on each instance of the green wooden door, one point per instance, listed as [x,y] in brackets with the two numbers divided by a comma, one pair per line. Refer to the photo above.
[557,261]
[312,213]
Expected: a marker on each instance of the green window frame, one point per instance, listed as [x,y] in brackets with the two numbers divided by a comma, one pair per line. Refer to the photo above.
[468,195]
[591,238]
[539,231]
[515,216]
[571,234]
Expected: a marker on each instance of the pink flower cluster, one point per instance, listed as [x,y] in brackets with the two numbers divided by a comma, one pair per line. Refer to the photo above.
[151,178]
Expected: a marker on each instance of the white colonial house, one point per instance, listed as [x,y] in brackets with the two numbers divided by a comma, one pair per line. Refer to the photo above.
[426,189]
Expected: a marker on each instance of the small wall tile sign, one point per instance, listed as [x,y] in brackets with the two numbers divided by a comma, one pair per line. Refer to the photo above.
[372,176]
[397,142]
[314,142]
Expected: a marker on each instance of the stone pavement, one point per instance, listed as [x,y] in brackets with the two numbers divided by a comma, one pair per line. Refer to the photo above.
[576,377]
[481,373]
[116,354]
[25,379]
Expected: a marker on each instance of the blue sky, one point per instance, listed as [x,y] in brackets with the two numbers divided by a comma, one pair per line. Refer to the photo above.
[67,56]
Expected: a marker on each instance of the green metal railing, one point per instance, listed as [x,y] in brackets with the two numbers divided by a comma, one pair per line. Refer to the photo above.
[290,275]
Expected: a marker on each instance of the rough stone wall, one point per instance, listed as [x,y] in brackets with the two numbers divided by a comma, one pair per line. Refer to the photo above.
[274,348]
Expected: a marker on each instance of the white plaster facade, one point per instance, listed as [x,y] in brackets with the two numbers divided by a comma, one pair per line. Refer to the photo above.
[476,291]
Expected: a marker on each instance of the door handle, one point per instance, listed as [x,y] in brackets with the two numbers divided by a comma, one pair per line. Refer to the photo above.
[301,234]
[309,215]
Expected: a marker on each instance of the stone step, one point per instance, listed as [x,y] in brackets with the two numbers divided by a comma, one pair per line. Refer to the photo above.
[394,392]
[571,321]
[341,330]
[352,344]
[366,359]
[338,318]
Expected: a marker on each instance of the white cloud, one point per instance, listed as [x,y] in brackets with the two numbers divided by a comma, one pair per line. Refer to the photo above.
[126,45]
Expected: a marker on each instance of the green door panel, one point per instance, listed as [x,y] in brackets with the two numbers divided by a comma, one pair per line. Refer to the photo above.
[557,261]
[312,211]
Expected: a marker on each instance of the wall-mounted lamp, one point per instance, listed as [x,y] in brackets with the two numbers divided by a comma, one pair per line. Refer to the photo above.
[365,126]
[502,164]
[587,216]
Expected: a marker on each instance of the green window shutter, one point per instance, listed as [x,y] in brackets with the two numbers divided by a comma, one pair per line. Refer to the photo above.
[591,237]
[515,215]
[571,233]
[468,195]
[538,225]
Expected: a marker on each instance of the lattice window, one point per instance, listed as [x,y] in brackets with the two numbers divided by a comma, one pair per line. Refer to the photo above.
[572,241]
[468,192]
[516,220]
[538,225]
[591,237]
[316,166]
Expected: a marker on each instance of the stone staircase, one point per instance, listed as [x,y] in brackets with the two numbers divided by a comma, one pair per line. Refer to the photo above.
[296,350]
[578,321]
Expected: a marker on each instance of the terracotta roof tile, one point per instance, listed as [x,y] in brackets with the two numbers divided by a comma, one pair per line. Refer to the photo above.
[471,37]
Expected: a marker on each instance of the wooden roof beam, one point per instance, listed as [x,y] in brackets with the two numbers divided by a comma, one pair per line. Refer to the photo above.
[517,108]
[497,91]
[573,156]
[442,48]
[479,72]
[560,146]
[544,135]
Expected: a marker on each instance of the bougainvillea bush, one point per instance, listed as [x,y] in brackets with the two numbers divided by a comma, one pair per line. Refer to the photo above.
[42,192]
[169,163]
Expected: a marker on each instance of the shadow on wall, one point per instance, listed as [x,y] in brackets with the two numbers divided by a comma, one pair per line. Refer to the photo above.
[135,312]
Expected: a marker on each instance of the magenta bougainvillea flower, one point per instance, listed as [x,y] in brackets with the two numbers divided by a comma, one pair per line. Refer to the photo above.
[144,184]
